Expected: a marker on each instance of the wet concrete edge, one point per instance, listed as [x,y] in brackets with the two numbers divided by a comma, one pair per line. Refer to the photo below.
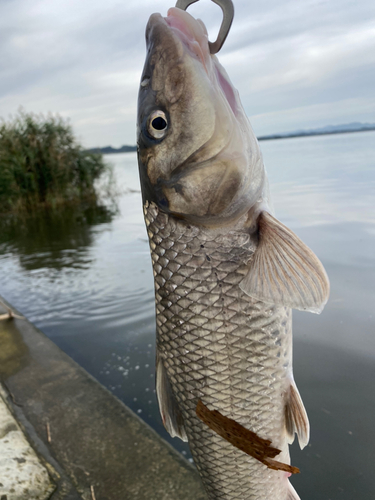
[95,447]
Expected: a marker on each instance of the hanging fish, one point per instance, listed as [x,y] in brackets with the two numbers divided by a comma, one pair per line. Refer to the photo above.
[227,272]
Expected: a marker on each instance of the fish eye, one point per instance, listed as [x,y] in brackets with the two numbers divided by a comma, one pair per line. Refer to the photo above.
[157,124]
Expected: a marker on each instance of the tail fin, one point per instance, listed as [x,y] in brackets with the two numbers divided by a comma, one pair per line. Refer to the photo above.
[292,494]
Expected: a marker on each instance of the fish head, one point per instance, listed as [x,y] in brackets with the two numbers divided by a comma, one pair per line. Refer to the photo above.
[198,156]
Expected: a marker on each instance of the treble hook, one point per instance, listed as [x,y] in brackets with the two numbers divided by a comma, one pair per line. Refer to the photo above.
[228,14]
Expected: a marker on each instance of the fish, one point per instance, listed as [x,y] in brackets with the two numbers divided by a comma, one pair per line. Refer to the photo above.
[227,273]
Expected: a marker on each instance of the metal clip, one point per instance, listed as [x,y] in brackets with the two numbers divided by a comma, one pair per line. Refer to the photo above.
[228,14]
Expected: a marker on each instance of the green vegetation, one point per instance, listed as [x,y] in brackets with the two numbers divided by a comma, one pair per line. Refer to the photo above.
[42,165]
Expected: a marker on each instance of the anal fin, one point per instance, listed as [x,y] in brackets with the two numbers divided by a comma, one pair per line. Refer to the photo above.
[169,410]
[296,419]
[292,494]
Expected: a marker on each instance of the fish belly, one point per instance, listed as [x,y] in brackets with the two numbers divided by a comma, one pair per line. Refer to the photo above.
[220,346]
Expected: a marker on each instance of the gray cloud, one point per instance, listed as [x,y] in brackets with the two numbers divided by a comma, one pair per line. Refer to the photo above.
[296,64]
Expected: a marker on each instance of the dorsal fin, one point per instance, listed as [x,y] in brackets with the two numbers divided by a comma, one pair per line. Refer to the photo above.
[169,410]
[284,271]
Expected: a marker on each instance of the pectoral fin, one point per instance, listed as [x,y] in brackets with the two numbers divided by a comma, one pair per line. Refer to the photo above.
[296,419]
[169,410]
[284,271]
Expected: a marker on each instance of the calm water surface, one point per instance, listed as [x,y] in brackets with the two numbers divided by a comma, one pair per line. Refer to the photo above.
[85,279]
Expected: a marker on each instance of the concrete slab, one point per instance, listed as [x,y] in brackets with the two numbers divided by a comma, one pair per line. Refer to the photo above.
[99,447]
[22,474]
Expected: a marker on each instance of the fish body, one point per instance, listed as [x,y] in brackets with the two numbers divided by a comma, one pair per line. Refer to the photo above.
[218,346]
[227,273]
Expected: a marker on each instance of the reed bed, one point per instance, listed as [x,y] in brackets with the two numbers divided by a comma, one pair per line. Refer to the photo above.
[43,165]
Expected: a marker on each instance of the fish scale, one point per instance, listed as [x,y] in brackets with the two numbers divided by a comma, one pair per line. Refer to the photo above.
[222,347]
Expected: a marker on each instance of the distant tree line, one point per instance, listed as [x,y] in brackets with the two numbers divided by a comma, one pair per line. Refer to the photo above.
[110,150]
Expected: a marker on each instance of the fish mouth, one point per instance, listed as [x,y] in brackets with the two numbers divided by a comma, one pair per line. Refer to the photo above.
[192,32]
[189,31]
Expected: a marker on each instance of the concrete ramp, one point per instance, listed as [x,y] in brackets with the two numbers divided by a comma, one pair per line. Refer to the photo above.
[92,445]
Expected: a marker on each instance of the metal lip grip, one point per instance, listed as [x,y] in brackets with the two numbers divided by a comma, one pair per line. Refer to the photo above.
[228,13]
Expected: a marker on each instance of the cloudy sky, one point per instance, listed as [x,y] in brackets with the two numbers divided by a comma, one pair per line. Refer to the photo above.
[297,63]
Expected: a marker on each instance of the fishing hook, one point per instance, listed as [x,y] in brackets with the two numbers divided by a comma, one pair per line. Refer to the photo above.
[228,14]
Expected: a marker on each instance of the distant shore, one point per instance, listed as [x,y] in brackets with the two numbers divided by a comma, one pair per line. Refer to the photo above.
[129,149]
[301,134]
[108,150]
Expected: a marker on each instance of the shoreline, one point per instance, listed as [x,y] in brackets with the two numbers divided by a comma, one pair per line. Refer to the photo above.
[312,134]
[109,150]
[91,444]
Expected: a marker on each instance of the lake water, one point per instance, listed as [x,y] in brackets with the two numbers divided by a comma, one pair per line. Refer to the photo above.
[85,279]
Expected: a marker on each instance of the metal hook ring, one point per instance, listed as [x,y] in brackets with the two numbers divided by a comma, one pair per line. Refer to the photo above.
[228,14]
